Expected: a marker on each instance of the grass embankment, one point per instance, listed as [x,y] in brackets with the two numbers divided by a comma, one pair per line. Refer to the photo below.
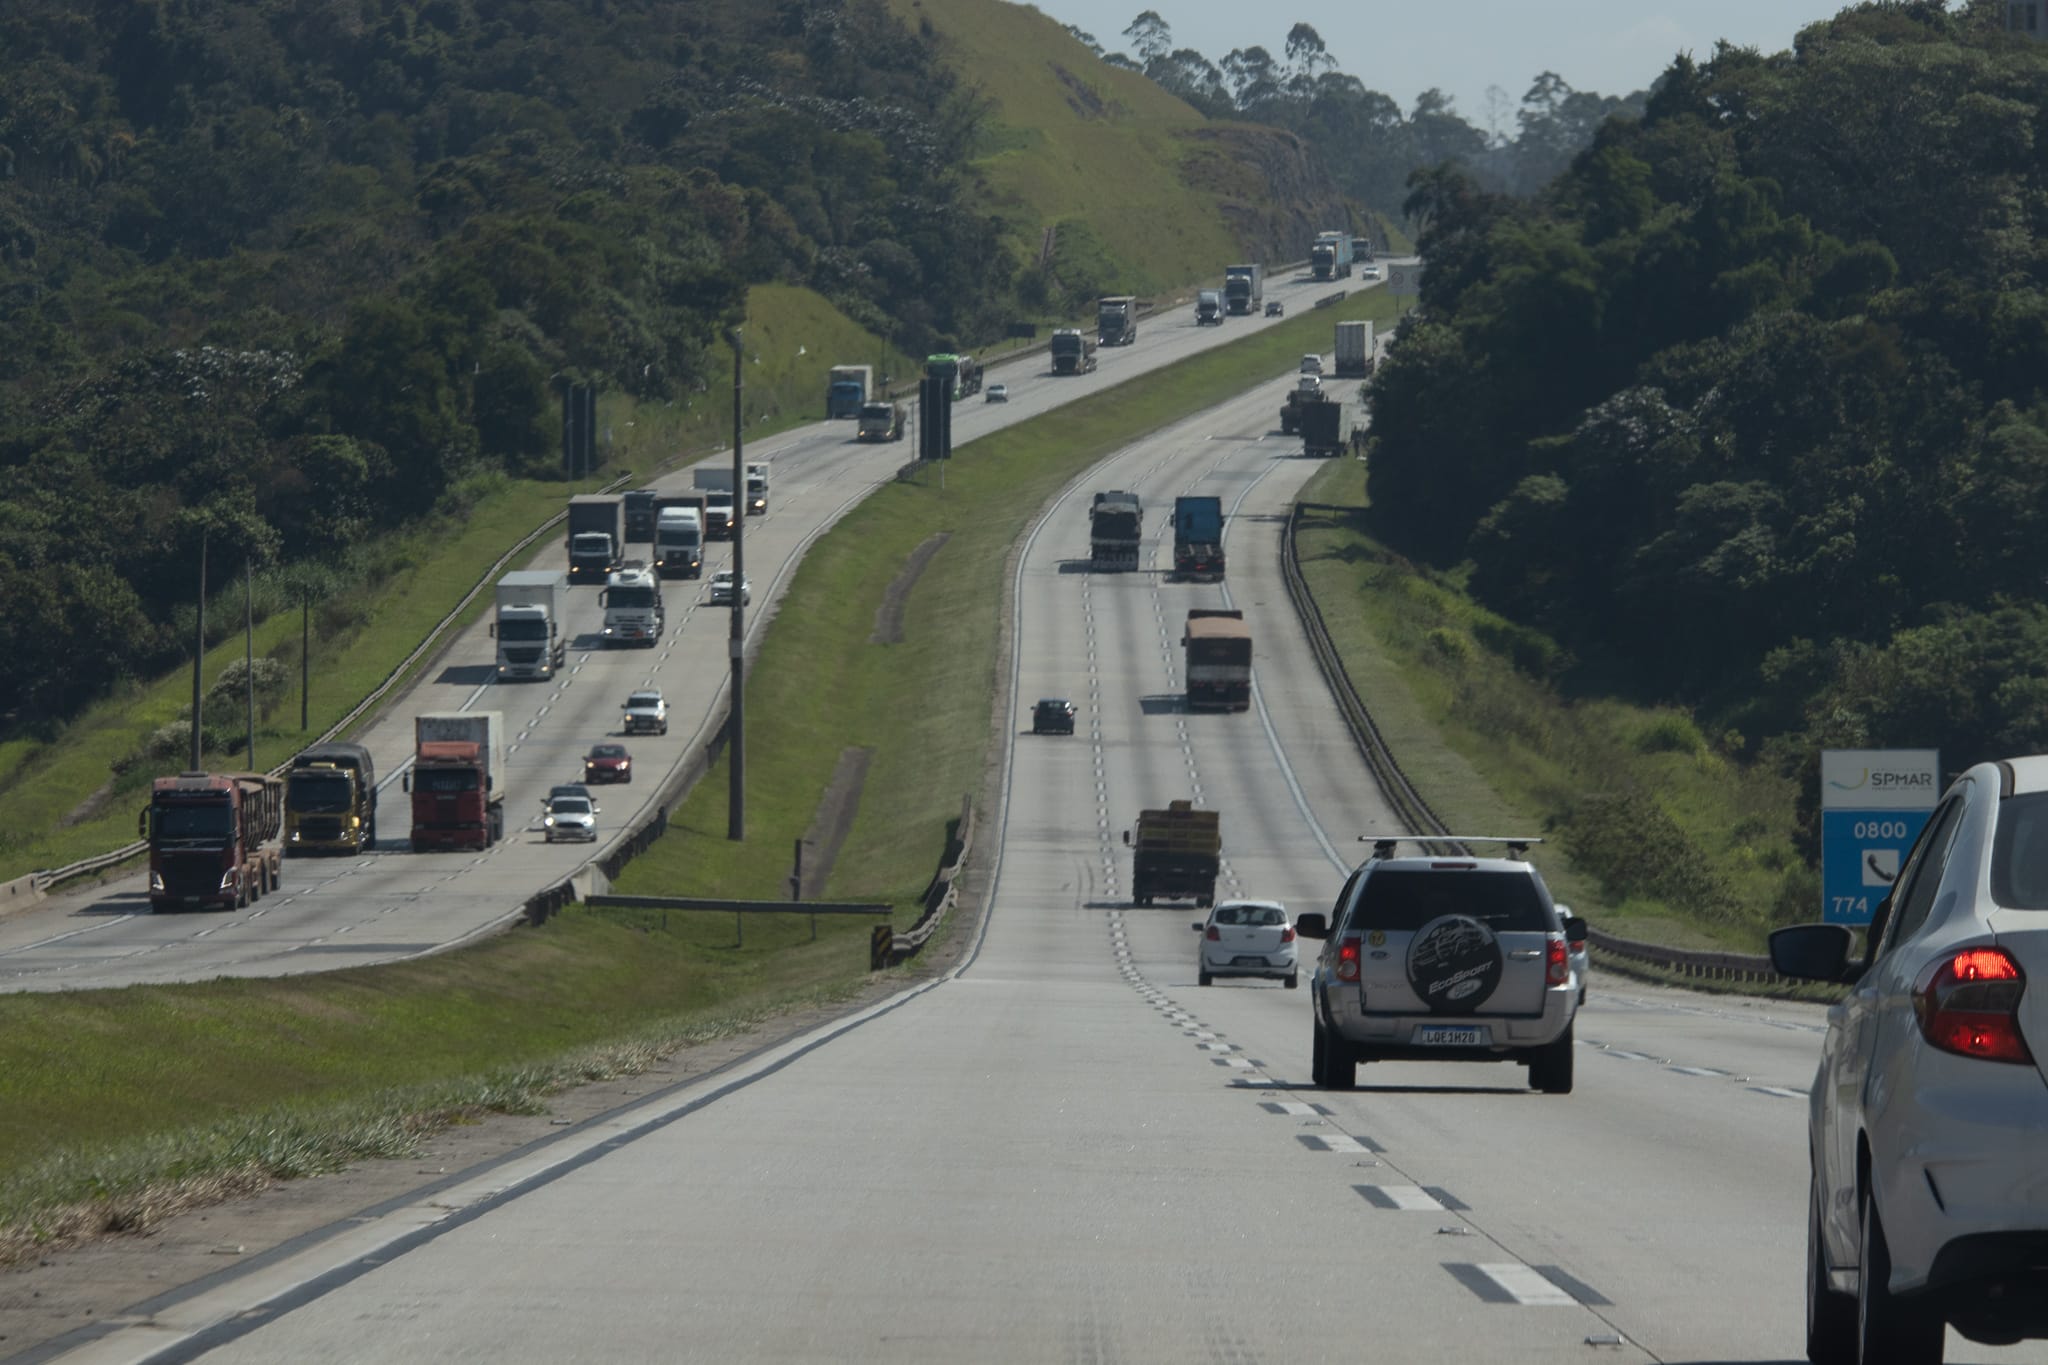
[112,1103]
[1655,834]
[77,795]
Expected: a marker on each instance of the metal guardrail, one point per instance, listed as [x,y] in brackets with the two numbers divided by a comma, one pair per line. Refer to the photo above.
[1415,813]
[85,867]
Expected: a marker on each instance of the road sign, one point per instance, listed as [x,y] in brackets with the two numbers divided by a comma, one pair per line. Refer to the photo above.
[1874,803]
[1405,281]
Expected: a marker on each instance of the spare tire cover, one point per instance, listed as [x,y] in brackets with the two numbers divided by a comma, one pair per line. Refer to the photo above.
[1454,964]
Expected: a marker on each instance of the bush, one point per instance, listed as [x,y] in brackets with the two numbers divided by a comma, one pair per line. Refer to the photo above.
[1669,732]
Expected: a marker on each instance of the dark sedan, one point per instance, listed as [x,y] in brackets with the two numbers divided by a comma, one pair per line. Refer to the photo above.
[608,763]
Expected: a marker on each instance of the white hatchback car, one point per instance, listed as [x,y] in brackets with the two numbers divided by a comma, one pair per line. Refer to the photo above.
[722,585]
[1248,938]
[1929,1201]
[570,817]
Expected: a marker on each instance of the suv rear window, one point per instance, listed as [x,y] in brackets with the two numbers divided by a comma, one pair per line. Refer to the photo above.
[2019,853]
[1403,900]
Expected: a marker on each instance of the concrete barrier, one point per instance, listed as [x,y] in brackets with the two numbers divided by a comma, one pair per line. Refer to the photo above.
[23,893]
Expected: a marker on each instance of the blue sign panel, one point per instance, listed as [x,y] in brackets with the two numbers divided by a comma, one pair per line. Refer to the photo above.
[1873,805]
[1860,855]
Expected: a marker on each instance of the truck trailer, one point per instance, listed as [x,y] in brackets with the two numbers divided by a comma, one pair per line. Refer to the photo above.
[640,505]
[1218,660]
[719,513]
[1354,350]
[1329,256]
[330,800]
[1327,424]
[846,388]
[757,489]
[1116,320]
[213,839]
[532,636]
[457,780]
[1073,352]
[1175,854]
[962,374]
[1244,288]
[1116,522]
[597,536]
[1198,538]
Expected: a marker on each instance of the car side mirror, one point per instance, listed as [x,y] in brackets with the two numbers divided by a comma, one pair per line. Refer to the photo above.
[405,782]
[142,823]
[1312,924]
[1198,926]
[1815,952]
[1127,838]
[1576,930]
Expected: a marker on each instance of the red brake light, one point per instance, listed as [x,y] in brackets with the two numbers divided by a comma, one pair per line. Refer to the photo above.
[1557,963]
[1348,960]
[1287,934]
[1969,1002]
[1212,935]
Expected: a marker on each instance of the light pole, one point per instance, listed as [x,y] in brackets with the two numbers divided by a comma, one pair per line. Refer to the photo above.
[736,732]
[198,652]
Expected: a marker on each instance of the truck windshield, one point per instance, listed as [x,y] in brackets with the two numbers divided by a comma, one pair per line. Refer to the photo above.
[523,628]
[212,823]
[631,599]
[315,791]
[445,781]
[591,543]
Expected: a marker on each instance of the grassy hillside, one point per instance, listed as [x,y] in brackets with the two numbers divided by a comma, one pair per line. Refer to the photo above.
[1081,143]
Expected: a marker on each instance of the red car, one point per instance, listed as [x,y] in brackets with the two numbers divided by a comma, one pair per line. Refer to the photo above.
[608,763]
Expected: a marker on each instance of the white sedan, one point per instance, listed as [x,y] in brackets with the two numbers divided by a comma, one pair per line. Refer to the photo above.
[1248,938]
[722,588]
[570,818]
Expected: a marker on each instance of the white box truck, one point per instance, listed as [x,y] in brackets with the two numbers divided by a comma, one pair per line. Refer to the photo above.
[719,512]
[532,639]
[1354,349]
[679,543]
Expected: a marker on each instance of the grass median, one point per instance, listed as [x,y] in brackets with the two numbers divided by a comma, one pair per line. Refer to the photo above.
[118,1105]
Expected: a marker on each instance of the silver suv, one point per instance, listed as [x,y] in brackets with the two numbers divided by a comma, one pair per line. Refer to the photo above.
[1929,1201]
[1447,958]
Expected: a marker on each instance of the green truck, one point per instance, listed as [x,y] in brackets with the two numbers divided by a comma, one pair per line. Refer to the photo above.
[1174,854]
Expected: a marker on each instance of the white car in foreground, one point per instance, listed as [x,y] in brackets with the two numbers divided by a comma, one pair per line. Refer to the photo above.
[570,818]
[1248,938]
[1928,1122]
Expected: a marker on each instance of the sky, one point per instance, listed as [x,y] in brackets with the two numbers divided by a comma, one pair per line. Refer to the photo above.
[1609,47]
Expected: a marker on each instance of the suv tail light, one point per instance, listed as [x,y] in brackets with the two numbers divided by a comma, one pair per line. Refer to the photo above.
[1969,1004]
[1557,963]
[1348,954]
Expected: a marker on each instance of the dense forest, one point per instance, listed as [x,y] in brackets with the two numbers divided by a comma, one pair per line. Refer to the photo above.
[1749,409]
[1369,145]
[279,273]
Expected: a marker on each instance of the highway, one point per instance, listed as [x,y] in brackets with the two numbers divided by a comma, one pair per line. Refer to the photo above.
[1070,1151]
[392,904]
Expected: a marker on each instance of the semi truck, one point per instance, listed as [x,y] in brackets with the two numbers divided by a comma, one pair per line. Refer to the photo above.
[1198,537]
[1116,320]
[1329,257]
[213,839]
[679,543]
[882,421]
[640,511]
[633,611]
[1327,424]
[846,388]
[757,489]
[597,536]
[1354,350]
[1218,663]
[532,636]
[1175,853]
[1244,288]
[1073,352]
[1208,307]
[716,486]
[457,780]
[962,374]
[330,800]
[1115,523]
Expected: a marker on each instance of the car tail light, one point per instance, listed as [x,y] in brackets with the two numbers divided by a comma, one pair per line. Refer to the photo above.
[1212,935]
[1348,955]
[1287,934]
[1557,962]
[1969,1004]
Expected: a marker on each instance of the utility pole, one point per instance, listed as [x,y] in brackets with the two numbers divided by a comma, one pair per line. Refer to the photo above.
[249,648]
[305,651]
[198,653]
[736,724]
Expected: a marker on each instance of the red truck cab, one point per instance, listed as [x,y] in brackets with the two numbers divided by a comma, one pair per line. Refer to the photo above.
[451,806]
[213,839]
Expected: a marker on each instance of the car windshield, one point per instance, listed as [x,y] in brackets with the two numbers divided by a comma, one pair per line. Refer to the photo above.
[571,805]
[1405,899]
[609,751]
[2019,853]
[647,700]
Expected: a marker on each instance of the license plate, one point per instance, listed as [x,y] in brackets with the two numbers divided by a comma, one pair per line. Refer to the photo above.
[1243,961]
[1440,1035]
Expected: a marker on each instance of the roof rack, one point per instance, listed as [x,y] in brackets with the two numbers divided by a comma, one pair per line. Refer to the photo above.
[1518,845]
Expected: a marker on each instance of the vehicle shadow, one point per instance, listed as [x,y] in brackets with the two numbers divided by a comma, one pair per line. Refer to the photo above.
[1163,703]
[120,903]
[467,675]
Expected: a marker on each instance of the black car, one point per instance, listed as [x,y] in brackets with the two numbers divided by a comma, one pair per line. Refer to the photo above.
[1276,309]
[1053,716]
